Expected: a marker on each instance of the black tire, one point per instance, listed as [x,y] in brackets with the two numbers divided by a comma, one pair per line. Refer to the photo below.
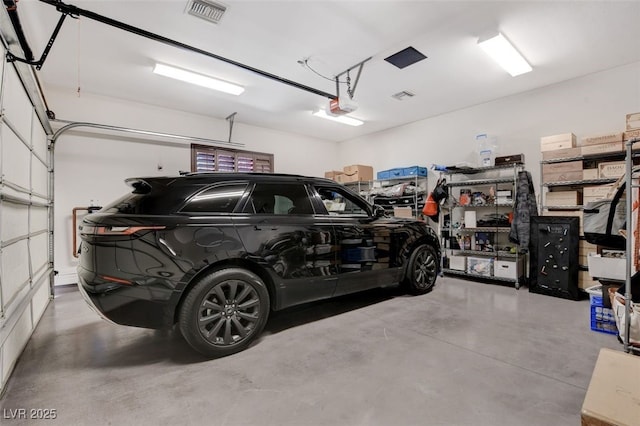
[224,312]
[422,270]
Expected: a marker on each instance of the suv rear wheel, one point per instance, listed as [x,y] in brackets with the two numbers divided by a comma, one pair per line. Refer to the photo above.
[224,312]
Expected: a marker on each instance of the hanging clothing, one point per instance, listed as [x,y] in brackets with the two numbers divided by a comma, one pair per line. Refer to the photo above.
[524,208]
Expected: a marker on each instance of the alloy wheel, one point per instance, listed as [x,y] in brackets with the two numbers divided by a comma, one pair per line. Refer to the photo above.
[425,269]
[229,312]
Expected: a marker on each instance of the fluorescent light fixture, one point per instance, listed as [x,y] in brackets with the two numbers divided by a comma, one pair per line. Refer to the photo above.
[198,79]
[339,118]
[505,55]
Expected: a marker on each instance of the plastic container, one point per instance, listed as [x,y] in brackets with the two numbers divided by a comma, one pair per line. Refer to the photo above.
[486,150]
[602,319]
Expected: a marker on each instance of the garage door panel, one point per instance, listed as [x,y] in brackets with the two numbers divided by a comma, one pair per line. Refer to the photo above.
[39,218]
[15,158]
[16,340]
[39,177]
[39,302]
[14,221]
[16,104]
[39,246]
[3,53]
[15,270]
[38,138]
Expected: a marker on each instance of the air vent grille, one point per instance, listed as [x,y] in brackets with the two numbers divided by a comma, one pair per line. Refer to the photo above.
[206,9]
[404,94]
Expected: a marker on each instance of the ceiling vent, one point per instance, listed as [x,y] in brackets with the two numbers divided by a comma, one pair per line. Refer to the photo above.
[206,9]
[404,94]
[405,57]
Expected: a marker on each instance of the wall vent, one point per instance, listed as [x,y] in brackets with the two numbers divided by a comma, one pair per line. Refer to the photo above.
[404,94]
[206,9]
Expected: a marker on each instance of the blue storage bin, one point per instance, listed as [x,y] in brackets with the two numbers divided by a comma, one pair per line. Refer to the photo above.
[391,174]
[415,171]
[385,174]
[396,173]
[602,319]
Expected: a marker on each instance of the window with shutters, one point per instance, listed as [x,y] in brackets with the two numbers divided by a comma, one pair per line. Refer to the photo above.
[211,159]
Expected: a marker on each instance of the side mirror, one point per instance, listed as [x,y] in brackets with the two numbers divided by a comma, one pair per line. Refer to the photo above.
[379,211]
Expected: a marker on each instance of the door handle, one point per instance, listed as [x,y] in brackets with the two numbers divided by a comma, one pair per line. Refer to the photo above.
[263,224]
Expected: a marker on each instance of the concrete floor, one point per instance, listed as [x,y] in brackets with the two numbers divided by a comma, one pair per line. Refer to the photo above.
[466,354]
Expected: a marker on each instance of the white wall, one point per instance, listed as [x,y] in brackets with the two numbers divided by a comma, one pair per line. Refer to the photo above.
[93,167]
[588,105]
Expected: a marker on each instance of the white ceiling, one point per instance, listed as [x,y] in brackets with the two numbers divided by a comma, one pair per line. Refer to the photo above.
[560,39]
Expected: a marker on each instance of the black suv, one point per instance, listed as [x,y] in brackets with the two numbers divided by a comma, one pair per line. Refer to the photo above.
[216,252]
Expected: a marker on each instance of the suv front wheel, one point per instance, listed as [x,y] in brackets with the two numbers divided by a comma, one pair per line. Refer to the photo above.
[224,312]
[422,270]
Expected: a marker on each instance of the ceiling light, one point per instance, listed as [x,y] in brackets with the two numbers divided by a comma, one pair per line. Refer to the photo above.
[339,118]
[198,79]
[505,55]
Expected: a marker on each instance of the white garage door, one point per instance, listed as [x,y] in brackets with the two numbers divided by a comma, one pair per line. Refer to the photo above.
[25,209]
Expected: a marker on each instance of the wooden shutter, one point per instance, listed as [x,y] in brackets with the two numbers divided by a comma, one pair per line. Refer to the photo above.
[226,161]
[204,161]
[263,164]
[245,162]
[210,159]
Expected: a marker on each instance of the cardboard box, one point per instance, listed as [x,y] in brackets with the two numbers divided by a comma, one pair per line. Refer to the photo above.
[567,166]
[584,280]
[332,174]
[508,269]
[562,141]
[631,134]
[562,177]
[613,393]
[562,153]
[612,169]
[586,246]
[459,263]
[602,148]
[584,250]
[588,174]
[563,198]
[403,212]
[604,138]
[633,121]
[357,172]
[599,192]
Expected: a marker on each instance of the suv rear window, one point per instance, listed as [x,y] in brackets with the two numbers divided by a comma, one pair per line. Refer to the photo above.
[279,198]
[217,199]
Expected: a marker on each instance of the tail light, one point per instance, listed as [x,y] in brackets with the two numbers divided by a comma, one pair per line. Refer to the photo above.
[116,230]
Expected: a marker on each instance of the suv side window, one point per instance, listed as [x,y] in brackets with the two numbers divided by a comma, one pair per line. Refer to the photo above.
[217,199]
[339,202]
[279,198]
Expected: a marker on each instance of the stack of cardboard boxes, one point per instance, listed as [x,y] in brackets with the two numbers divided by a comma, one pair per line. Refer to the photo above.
[353,173]
[581,173]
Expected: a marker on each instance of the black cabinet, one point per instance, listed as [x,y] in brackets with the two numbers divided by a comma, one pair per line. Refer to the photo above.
[554,256]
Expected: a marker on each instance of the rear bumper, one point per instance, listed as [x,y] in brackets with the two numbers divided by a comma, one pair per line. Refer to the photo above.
[132,305]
